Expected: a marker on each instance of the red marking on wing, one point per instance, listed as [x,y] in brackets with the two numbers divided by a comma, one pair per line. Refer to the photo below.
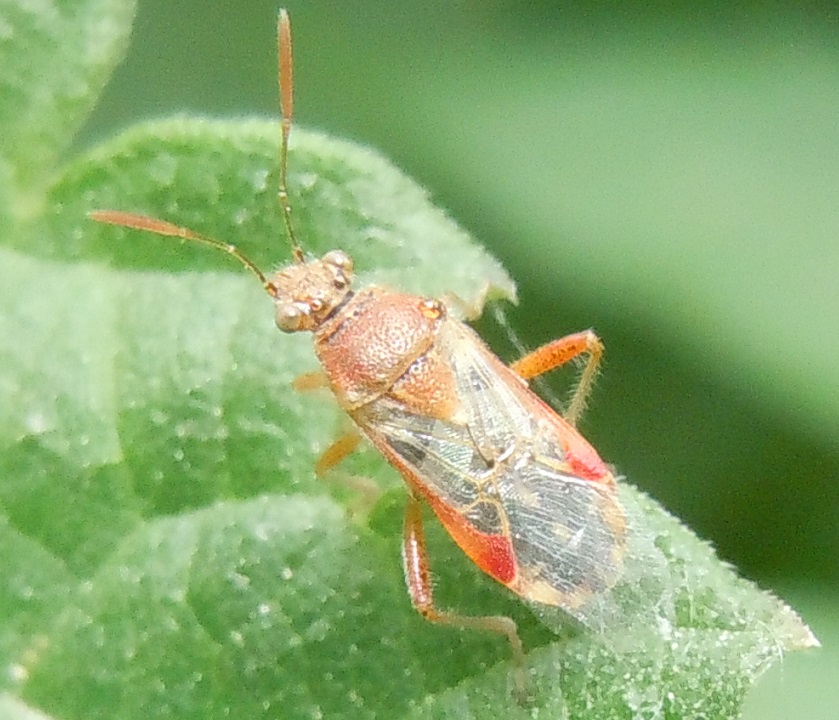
[582,458]
[491,553]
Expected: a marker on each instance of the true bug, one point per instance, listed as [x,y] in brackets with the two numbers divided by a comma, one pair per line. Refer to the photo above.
[519,489]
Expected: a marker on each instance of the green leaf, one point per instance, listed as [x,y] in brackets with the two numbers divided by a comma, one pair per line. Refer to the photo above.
[54,60]
[165,544]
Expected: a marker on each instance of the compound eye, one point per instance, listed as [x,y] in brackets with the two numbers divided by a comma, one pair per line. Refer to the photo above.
[339,259]
[289,318]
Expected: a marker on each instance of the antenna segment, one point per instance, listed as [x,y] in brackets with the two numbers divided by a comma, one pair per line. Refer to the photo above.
[286,80]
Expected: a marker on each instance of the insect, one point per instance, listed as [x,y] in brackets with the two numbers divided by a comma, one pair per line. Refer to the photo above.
[518,488]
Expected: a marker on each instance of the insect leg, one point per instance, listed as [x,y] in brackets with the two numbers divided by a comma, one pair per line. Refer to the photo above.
[420,590]
[336,452]
[558,352]
[345,444]
[306,382]
[366,490]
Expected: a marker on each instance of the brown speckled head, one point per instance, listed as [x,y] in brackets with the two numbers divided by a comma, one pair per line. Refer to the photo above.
[307,294]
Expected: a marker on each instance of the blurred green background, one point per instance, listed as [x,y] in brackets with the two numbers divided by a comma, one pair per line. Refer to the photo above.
[669,177]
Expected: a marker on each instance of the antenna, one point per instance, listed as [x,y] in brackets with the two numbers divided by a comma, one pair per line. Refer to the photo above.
[286,81]
[161,227]
[134,221]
